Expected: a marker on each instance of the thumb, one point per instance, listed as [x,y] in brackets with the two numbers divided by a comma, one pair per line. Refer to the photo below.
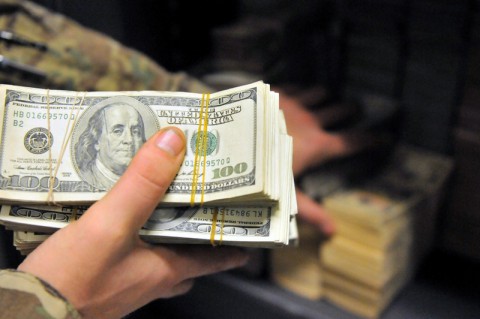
[133,198]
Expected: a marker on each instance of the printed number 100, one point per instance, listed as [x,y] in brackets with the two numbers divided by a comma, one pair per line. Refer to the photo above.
[229,170]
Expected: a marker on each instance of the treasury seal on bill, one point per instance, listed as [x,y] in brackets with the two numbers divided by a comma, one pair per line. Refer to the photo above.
[38,140]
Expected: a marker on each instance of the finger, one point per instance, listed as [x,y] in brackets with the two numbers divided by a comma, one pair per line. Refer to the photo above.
[335,114]
[140,189]
[192,261]
[314,214]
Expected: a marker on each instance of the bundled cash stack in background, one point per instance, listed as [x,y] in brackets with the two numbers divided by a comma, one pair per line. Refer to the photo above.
[384,228]
[226,192]
[297,268]
[385,223]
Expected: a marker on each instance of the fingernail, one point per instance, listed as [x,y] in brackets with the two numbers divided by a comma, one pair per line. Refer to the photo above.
[170,142]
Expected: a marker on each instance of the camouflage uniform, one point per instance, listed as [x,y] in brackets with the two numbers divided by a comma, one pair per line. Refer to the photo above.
[61,54]
[25,296]
[77,58]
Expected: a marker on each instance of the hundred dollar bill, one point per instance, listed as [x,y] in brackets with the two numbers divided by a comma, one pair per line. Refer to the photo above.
[71,147]
[249,227]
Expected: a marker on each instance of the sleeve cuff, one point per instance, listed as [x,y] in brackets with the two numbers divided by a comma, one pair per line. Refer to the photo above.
[25,293]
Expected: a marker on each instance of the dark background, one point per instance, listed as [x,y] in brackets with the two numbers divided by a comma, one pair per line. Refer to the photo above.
[422,56]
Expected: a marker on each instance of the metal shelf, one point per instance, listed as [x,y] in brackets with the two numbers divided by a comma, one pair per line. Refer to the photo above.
[229,295]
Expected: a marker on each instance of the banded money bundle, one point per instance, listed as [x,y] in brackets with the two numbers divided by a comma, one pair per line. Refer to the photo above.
[385,226]
[69,148]
[384,229]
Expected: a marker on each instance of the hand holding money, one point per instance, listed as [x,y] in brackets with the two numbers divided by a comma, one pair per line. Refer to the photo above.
[104,248]
[63,148]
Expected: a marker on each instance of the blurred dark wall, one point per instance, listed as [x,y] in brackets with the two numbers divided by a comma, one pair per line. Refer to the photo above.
[421,54]
[176,33]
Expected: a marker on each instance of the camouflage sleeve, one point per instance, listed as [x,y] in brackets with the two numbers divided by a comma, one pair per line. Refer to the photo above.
[64,54]
[25,296]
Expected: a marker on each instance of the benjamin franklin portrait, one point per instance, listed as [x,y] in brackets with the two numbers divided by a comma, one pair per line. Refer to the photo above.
[112,136]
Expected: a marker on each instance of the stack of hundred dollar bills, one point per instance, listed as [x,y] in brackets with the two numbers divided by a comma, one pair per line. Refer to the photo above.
[63,150]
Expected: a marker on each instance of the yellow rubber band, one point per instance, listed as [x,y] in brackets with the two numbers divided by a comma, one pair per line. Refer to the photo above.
[50,168]
[214,226]
[66,138]
[195,161]
[204,147]
[200,149]
[213,231]
[74,214]
[222,225]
